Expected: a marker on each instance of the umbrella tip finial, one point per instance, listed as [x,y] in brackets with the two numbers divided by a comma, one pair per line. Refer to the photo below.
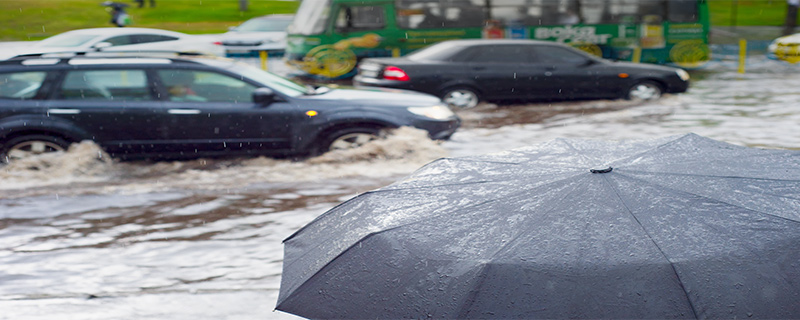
[606,170]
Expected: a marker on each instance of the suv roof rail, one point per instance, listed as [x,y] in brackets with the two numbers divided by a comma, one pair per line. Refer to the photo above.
[112,54]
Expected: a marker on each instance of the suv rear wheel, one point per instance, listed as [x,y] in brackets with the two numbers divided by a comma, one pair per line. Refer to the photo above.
[30,145]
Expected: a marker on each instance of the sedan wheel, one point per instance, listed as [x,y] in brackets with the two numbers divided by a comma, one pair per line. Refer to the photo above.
[461,98]
[27,146]
[644,91]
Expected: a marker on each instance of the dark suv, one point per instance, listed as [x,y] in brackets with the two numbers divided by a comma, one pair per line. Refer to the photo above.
[167,107]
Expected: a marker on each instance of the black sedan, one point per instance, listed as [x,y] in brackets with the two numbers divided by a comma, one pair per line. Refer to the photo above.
[152,107]
[463,72]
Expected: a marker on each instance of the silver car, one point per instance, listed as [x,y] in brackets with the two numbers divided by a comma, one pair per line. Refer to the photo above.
[265,33]
[117,39]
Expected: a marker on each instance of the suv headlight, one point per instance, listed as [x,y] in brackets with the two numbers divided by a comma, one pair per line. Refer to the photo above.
[437,112]
[682,74]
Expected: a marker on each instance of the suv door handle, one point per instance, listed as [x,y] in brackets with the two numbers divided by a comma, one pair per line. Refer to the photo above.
[183,111]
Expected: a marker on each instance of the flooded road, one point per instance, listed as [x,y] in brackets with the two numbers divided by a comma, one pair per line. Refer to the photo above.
[83,237]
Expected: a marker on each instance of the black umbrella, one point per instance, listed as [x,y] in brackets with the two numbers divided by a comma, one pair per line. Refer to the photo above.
[684,227]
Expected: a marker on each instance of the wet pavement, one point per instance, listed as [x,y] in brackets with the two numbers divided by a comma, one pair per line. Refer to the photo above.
[89,238]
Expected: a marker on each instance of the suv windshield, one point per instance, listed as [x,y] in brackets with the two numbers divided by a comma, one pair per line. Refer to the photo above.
[277,83]
[311,17]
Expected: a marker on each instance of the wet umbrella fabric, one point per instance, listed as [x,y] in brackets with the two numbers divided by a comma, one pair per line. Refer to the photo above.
[681,227]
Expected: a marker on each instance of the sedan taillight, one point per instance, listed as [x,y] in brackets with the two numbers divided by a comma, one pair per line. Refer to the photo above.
[395,73]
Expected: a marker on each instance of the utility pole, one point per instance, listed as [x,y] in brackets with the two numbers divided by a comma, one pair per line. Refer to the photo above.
[242,5]
[791,16]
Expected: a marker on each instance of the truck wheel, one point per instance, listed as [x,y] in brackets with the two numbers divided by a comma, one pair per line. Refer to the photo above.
[31,145]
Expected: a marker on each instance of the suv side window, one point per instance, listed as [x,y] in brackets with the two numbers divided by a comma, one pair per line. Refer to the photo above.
[20,85]
[205,86]
[106,85]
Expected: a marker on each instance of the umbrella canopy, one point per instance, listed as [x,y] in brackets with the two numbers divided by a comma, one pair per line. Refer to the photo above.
[680,227]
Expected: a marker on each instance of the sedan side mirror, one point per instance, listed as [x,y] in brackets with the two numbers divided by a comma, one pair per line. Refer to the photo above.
[263,96]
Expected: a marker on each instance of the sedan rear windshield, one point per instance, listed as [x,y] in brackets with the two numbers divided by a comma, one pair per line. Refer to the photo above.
[436,52]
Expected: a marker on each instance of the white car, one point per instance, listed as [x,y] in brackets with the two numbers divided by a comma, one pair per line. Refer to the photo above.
[786,48]
[265,33]
[116,40]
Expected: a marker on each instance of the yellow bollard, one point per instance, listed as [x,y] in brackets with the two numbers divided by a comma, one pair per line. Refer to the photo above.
[263,55]
[395,52]
[742,54]
[637,54]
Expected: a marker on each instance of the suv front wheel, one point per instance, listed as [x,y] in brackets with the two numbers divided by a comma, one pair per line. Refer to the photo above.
[348,138]
[30,145]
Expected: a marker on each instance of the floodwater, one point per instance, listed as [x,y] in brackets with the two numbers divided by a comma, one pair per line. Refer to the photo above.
[86,237]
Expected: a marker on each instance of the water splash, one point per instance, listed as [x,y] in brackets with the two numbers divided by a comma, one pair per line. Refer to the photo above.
[85,164]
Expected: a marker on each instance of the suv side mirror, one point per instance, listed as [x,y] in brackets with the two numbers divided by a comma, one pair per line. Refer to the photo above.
[101,45]
[263,96]
[588,62]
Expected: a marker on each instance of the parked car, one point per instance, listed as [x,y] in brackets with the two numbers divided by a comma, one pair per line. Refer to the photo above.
[463,72]
[786,48]
[265,33]
[117,39]
[153,107]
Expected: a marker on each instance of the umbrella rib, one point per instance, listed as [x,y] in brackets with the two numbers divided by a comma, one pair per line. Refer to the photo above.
[710,176]
[578,152]
[474,292]
[647,233]
[481,161]
[717,200]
